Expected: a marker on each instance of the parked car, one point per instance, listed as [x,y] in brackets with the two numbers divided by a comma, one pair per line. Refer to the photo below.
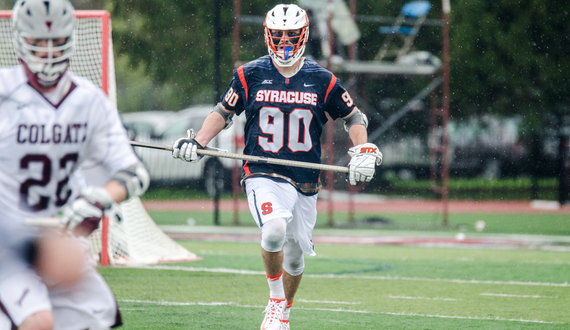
[165,127]
[145,122]
[486,146]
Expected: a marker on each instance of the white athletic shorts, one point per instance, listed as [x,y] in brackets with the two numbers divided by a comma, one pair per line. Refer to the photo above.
[269,199]
[88,305]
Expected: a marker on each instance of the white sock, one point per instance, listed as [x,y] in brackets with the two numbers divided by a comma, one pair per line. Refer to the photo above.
[276,286]
[288,310]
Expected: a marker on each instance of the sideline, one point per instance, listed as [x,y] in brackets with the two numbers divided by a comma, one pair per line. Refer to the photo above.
[372,203]
[379,237]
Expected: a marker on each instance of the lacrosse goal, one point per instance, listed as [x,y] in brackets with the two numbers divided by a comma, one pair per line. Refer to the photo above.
[127,236]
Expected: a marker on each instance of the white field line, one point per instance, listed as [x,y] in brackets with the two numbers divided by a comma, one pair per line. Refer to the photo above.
[385,278]
[329,302]
[168,303]
[171,303]
[422,298]
[513,295]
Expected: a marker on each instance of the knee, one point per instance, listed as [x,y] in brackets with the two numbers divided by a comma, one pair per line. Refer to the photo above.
[273,235]
[39,321]
[294,267]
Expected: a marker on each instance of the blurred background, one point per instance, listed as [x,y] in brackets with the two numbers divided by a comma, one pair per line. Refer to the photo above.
[508,115]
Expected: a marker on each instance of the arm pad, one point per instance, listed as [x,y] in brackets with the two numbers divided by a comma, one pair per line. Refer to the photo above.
[357,118]
[134,178]
[226,115]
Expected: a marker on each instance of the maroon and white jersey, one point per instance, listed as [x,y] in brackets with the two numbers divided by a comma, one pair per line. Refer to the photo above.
[42,144]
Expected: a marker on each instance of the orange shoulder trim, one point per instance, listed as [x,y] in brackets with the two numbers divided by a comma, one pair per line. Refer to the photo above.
[331,85]
[242,79]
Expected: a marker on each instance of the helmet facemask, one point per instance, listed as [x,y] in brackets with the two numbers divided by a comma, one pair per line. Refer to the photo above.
[286,33]
[286,46]
[53,61]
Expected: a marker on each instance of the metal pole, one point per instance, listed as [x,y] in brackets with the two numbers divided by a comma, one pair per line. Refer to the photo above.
[561,164]
[217,36]
[236,33]
[352,86]
[330,130]
[235,57]
[446,9]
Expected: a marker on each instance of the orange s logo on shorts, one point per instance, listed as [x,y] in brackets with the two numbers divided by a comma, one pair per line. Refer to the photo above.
[266,208]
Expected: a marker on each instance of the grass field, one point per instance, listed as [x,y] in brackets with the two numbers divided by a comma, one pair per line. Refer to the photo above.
[353,287]
[360,286]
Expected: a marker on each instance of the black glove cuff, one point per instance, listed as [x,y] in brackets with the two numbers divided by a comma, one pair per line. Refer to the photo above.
[189,140]
[197,144]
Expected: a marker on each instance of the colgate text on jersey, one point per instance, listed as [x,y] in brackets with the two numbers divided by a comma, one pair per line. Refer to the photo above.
[56,133]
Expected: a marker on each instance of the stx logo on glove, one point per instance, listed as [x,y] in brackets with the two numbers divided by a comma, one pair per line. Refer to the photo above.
[366,150]
[364,158]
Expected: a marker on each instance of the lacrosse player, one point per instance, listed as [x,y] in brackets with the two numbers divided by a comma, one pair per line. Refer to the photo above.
[52,124]
[284,97]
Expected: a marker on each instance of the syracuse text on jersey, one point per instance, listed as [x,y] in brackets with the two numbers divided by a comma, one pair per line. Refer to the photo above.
[274,96]
[57,133]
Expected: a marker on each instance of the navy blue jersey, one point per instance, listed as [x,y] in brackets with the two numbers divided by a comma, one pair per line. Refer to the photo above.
[285,116]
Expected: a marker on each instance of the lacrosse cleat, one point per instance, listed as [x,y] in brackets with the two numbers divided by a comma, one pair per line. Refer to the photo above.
[273,314]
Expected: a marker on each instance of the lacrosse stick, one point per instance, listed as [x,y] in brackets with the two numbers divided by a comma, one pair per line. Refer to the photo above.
[224,154]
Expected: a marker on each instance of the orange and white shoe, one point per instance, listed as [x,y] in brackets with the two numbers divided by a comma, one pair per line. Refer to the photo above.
[285,325]
[274,314]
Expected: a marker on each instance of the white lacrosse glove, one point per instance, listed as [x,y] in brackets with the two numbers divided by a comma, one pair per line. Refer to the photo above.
[363,163]
[82,216]
[185,148]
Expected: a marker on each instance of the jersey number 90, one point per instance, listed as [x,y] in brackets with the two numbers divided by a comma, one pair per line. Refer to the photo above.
[272,122]
[231,97]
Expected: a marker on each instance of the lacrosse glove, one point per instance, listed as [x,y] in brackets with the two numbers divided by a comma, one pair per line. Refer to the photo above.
[362,165]
[185,148]
[83,215]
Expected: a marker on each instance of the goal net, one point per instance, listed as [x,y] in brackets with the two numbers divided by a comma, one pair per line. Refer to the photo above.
[127,236]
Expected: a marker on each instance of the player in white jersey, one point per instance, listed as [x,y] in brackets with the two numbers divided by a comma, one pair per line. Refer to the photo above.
[285,98]
[52,123]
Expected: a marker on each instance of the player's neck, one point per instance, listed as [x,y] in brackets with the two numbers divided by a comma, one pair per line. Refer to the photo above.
[290,71]
[42,89]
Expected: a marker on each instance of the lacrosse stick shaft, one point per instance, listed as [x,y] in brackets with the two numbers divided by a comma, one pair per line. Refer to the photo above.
[276,161]
[42,222]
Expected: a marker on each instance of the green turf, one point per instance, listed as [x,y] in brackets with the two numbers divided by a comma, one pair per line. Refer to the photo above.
[537,224]
[355,287]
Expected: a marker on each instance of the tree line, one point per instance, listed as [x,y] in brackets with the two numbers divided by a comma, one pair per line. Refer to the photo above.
[509,57]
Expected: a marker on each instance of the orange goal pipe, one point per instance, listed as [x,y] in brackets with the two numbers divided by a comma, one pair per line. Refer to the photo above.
[105,241]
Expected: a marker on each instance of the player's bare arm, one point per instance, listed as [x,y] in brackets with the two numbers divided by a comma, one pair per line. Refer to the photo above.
[357,133]
[213,125]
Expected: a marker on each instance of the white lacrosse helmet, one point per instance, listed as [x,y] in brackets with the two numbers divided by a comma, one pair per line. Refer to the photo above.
[281,22]
[47,20]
